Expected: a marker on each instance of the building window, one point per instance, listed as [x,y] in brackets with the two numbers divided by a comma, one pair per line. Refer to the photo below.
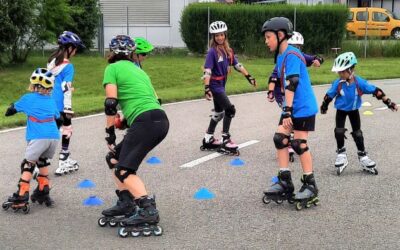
[136,12]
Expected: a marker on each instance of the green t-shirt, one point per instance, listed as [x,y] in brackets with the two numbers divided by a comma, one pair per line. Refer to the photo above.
[135,91]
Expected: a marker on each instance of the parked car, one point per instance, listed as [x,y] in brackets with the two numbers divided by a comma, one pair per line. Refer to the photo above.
[380,22]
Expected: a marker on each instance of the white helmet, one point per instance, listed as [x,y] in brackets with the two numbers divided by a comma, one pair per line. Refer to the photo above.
[344,61]
[218,27]
[296,39]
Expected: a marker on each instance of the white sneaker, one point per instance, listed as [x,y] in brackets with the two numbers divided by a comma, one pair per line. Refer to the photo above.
[66,165]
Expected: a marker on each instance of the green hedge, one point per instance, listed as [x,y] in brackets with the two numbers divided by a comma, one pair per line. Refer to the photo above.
[323,26]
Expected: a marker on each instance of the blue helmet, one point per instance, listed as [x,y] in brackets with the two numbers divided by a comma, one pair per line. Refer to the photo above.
[122,44]
[70,38]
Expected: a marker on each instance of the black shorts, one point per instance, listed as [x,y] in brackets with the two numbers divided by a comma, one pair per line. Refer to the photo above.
[302,123]
[146,132]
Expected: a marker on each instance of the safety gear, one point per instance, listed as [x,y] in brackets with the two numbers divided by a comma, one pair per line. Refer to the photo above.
[378,93]
[27,166]
[42,77]
[279,140]
[121,177]
[296,145]
[293,83]
[143,46]
[391,105]
[276,24]
[217,116]
[122,44]
[218,27]
[325,104]
[231,111]
[251,80]
[11,110]
[70,38]
[110,106]
[296,39]
[358,139]
[111,137]
[344,61]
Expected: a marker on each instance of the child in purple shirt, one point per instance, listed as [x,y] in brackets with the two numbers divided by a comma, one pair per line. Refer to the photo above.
[220,58]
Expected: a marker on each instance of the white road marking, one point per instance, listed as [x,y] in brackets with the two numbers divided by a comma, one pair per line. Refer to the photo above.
[214,155]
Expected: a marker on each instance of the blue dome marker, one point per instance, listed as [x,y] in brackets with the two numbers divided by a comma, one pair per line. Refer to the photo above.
[153,160]
[92,201]
[237,162]
[204,194]
[86,184]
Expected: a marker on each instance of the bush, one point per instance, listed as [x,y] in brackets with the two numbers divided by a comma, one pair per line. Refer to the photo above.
[375,48]
[245,22]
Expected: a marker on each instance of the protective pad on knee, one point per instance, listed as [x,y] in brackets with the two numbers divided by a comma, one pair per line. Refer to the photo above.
[358,137]
[43,162]
[279,140]
[231,111]
[43,181]
[27,166]
[340,133]
[217,116]
[121,177]
[296,145]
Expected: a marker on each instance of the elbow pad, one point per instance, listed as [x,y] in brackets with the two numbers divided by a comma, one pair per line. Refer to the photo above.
[238,67]
[273,80]
[379,94]
[110,106]
[206,74]
[11,110]
[293,82]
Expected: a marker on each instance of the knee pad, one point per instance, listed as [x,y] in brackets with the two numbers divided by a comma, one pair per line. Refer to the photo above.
[67,131]
[340,133]
[122,176]
[279,140]
[27,166]
[217,116]
[43,181]
[296,145]
[231,111]
[43,162]
[358,136]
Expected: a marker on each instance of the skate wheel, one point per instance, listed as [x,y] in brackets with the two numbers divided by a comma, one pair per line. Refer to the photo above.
[308,205]
[158,231]
[122,232]
[48,203]
[202,148]
[266,200]
[5,206]
[338,171]
[291,201]
[26,209]
[146,233]
[279,202]
[298,206]
[112,223]
[237,153]
[375,172]
[102,222]
[135,233]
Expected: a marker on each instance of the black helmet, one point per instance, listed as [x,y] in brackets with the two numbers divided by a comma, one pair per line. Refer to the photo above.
[278,24]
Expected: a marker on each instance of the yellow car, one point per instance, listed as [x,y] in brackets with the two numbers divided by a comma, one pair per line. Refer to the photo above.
[380,22]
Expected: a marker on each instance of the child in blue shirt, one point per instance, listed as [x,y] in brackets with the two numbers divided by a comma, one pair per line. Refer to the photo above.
[347,91]
[299,110]
[42,136]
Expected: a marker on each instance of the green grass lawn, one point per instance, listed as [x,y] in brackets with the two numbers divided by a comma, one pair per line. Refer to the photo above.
[175,77]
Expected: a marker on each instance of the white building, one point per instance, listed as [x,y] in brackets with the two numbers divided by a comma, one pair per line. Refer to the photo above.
[159,20]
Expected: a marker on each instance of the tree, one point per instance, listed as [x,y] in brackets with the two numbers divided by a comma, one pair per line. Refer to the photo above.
[85,15]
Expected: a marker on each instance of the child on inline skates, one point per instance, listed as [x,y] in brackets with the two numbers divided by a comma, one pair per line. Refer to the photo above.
[42,136]
[275,91]
[59,64]
[299,110]
[216,68]
[130,87]
[347,91]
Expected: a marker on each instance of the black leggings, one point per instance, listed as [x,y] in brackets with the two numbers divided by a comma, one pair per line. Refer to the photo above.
[146,132]
[64,121]
[355,122]
[221,103]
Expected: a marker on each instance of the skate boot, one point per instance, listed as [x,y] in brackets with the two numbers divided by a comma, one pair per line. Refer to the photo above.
[367,164]
[210,143]
[66,164]
[228,147]
[291,154]
[143,222]
[308,193]
[341,160]
[281,190]
[17,201]
[124,208]
[42,192]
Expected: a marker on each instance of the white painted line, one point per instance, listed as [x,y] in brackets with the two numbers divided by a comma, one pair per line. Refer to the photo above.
[381,108]
[214,155]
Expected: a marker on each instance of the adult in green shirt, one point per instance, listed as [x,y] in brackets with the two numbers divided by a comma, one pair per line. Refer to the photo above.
[130,87]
